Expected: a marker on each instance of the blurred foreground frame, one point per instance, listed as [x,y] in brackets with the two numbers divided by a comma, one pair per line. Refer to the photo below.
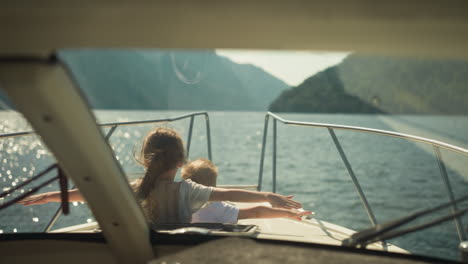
[419,27]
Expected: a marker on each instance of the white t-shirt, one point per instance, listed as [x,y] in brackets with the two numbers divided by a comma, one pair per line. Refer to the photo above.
[192,197]
[216,212]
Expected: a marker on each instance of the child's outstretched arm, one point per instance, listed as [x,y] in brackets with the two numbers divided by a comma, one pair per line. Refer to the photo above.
[262,211]
[276,200]
[42,198]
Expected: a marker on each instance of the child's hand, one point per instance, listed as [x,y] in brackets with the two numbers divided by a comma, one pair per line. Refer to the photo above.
[34,199]
[298,214]
[277,200]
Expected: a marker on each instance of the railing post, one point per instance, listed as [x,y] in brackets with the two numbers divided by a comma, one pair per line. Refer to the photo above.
[189,139]
[353,178]
[453,207]
[274,155]
[111,131]
[208,135]
[262,157]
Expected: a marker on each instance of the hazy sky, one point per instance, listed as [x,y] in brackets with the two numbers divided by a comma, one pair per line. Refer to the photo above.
[292,67]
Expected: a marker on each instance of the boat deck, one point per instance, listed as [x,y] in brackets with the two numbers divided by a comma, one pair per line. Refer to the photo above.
[309,230]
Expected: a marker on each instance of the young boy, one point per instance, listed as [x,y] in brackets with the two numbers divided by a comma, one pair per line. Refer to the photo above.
[203,171]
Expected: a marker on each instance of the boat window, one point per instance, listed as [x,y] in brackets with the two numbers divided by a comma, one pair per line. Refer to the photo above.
[360,139]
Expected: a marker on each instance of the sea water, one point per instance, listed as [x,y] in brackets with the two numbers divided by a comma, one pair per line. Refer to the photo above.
[397,176]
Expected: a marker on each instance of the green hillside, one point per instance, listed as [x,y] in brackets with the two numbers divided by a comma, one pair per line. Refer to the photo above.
[380,84]
[321,93]
[167,80]
[171,80]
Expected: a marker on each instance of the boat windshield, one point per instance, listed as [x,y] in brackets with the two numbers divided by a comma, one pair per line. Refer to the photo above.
[359,139]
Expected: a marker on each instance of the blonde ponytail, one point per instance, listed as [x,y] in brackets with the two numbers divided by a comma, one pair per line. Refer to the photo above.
[162,151]
[155,167]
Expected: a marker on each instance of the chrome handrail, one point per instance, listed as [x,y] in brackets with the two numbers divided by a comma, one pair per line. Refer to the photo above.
[330,127]
[374,131]
[17,134]
[113,126]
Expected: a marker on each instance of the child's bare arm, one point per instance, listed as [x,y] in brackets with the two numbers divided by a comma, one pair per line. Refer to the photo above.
[268,212]
[276,200]
[42,198]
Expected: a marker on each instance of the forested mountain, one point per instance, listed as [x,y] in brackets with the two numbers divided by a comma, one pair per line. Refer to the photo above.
[167,80]
[322,93]
[373,84]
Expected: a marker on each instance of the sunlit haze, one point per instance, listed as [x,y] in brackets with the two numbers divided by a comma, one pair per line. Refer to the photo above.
[292,67]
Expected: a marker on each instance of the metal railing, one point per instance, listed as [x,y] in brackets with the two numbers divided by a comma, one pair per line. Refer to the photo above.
[114,126]
[331,127]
